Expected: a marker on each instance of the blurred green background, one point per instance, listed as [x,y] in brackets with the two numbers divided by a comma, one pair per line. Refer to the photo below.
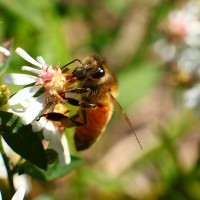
[124,32]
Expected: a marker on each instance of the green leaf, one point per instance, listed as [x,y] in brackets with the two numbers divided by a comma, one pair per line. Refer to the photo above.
[22,139]
[54,171]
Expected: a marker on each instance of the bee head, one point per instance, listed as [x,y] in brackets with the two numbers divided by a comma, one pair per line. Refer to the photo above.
[92,69]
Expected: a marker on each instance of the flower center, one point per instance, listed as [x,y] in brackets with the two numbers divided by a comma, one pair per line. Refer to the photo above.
[54,81]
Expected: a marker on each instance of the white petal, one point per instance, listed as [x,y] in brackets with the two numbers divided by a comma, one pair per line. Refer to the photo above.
[23,94]
[34,109]
[41,60]
[59,143]
[39,125]
[55,142]
[52,135]
[19,112]
[65,158]
[27,57]
[19,195]
[31,69]
[5,51]
[19,79]
[0,196]
[49,130]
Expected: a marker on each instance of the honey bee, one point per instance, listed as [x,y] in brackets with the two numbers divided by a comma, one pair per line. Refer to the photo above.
[98,89]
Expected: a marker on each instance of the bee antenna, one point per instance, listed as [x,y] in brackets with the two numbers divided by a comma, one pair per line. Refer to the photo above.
[126,117]
[75,60]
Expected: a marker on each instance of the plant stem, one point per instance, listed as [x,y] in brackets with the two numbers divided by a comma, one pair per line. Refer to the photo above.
[7,165]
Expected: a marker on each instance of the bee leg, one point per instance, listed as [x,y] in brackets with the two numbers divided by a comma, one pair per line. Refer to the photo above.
[83,104]
[79,90]
[83,115]
[67,122]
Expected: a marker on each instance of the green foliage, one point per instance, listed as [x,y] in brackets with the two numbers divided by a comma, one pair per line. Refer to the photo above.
[28,145]
[53,172]
[22,139]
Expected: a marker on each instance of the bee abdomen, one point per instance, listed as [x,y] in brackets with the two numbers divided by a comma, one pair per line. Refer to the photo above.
[97,120]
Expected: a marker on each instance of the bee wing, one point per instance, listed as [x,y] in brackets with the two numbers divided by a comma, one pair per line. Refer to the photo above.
[125,116]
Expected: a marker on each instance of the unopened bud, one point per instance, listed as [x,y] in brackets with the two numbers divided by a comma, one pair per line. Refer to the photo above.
[4,94]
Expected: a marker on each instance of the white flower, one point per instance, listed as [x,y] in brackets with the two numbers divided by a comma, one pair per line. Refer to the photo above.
[56,139]
[182,29]
[185,23]
[52,80]
[29,105]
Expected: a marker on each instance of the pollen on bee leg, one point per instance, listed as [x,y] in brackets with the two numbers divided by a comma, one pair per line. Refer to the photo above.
[60,108]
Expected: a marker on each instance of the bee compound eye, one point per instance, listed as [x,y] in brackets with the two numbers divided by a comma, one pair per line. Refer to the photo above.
[98,73]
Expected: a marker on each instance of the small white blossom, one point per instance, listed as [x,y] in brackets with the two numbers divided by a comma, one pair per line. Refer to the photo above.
[56,138]
[28,105]
[185,23]
[182,29]
[50,79]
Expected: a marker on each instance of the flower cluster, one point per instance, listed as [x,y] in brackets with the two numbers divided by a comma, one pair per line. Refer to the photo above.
[51,80]
[182,32]
[180,49]
[41,93]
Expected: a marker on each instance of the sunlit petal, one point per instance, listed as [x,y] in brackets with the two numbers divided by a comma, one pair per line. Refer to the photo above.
[55,142]
[23,94]
[59,143]
[19,79]
[19,195]
[34,109]
[31,69]
[65,158]
[39,125]
[5,51]
[41,60]
[49,130]
[27,57]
